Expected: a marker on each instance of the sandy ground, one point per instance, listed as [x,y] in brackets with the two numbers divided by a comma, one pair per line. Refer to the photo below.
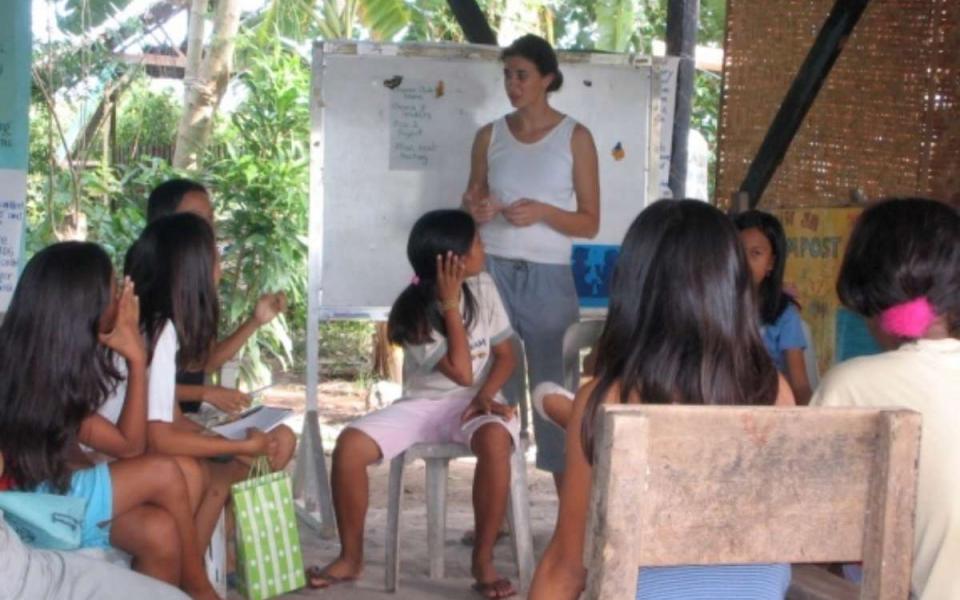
[341,402]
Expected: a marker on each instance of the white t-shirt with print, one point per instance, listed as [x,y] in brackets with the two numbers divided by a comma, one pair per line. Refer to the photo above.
[490,327]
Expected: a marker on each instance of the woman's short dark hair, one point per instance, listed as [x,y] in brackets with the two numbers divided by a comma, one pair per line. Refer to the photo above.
[901,249]
[166,197]
[415,312]
[55,371]
[538,51]
[682,326]
[772,299]
[171,265]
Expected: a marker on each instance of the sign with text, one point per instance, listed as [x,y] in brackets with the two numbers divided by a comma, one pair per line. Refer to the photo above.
[816,240]
[416,125]
[15,57]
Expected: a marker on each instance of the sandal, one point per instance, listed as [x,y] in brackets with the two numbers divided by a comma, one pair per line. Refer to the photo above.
[501,588]
[319,579]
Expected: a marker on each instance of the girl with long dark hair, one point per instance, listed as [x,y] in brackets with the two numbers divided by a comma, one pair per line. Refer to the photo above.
[765,245]
[455,334]
[175,266]
[680,330]
[58,342]
[187,196]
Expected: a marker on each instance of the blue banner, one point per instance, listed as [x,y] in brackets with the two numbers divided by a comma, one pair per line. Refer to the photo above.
[15,58]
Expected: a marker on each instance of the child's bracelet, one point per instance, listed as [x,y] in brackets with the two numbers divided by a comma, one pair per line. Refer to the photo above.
[449,305]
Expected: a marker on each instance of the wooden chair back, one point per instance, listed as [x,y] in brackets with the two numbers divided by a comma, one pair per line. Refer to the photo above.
[697,485]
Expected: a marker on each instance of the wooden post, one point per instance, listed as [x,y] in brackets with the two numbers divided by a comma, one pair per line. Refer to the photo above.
[806,85]
[612,536]
[473,22]
[888,532]
[682,19]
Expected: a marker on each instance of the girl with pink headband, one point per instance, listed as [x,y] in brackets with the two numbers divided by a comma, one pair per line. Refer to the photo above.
[901,272]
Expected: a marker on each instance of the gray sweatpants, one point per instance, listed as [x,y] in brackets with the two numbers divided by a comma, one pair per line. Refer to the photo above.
[541,301]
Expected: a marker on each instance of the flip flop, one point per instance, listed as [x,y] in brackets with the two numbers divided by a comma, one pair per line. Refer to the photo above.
[494,590]
[315,573]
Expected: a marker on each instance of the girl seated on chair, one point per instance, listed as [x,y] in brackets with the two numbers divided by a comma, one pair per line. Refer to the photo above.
[455,334]
[680,329]
[175,266]
[58,342]
[186,196]
[901,271]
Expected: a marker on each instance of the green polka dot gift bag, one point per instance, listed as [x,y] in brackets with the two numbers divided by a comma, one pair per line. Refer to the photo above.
[269,559]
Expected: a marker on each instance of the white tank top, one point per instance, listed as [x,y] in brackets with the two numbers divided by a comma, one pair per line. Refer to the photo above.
[540,171]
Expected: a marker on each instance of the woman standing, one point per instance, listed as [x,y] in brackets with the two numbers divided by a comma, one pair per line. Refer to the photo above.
[533,187]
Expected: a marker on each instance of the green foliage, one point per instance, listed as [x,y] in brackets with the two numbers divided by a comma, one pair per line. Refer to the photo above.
[615,24]
[261,186]
[384,18]
[146,119]
[82,15]
[433,20]
[346,348]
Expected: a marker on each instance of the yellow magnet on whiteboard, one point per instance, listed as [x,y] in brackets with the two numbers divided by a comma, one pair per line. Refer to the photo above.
[440,89]
[618,152]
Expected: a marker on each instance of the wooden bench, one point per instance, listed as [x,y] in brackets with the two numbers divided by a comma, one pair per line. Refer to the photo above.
[696,485]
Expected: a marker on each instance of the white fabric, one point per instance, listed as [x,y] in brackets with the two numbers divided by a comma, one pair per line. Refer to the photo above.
[549,388]
[162,376]
[113,405]
[30,573]
[540,171]
[923,376]
[490,327]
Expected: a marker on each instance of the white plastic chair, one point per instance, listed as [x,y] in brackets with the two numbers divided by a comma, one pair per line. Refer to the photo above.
[436,458]
[580,335]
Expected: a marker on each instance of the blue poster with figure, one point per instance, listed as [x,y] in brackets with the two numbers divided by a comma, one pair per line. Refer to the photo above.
[592,270]
[15,57]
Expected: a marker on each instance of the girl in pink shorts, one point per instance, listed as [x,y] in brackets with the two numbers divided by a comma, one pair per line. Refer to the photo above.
[456,339]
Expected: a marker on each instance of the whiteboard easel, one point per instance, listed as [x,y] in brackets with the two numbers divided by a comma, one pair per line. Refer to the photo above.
[377,163]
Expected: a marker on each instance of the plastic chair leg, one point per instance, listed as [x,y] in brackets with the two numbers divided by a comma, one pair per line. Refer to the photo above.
[394,506]
[436,513]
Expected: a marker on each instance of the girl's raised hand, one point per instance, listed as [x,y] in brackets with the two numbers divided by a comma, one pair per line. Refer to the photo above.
[125,338]
[525,212]
[480,204]
[269,306]
[450,276]
[484,405]
[226,399]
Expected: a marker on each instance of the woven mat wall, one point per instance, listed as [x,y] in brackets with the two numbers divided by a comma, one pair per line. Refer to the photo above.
[886,122]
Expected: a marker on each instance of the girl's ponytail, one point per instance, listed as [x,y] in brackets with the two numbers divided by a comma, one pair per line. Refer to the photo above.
[409,321]
[415,312]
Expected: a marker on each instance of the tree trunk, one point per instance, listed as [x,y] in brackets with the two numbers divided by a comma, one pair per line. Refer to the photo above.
[206,78]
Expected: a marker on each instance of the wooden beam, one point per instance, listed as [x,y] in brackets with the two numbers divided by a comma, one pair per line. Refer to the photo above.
[473,22]
[153,60]
[683,17]
[803,92]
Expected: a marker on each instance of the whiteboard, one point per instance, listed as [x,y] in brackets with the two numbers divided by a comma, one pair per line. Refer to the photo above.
[391,132]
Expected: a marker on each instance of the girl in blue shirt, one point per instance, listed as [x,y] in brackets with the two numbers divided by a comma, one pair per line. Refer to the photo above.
[765,245]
